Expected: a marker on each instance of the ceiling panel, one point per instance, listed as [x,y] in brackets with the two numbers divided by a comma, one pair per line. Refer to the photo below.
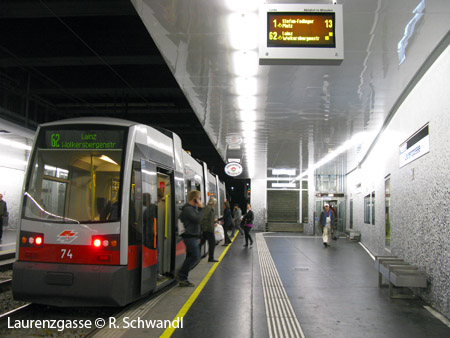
[294,108]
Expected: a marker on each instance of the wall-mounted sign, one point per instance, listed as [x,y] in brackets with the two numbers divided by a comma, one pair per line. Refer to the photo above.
[301,34]
[234,139]
[416,146]
[233,169]
[326,194]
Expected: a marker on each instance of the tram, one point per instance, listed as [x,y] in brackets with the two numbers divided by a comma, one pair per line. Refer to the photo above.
[98,214]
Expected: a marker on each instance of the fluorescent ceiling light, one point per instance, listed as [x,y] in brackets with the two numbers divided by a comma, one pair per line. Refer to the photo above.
[236,160]
[247,115]
[246,102]
[289,172]
[108,159]
[248,126]
[14,144]
[243,31]
[245,63]
[283,185]
[246,86]
[12,161]
[279,179]
[49,167]
[355,140]
[249,136]
[243,6]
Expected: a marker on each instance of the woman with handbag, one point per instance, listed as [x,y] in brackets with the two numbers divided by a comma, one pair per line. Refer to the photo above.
[248,225]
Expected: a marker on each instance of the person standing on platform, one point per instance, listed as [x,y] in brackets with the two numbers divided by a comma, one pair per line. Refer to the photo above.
[208,223]
[227,222]
[237,220]
[248,225]
[191,216]
[327,222]
[3,214]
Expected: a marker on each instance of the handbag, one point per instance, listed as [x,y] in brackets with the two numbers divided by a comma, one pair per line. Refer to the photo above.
[219,233]
[180,227]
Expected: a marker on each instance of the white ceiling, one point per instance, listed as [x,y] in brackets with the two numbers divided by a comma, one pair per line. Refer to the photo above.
[293,116]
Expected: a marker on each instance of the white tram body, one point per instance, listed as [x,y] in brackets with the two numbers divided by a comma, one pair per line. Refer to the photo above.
[100,203]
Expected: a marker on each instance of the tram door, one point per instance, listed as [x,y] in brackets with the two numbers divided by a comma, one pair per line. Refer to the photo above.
[164,225]
[149,222]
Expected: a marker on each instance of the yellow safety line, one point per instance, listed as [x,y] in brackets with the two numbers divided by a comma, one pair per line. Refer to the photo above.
[8,251]
[169,331]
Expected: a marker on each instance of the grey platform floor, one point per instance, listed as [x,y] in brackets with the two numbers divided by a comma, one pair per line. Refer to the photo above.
[334,293]
[8,242]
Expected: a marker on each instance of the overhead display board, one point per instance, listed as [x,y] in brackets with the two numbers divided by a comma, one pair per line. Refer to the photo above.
[300,34]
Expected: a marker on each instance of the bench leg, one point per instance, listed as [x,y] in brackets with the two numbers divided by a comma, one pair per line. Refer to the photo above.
[401,296]
[380,280]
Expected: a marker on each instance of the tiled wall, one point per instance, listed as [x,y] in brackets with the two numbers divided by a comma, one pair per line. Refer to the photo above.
[11,181]
[420,191]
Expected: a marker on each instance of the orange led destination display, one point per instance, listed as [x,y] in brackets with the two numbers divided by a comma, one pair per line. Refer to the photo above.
[300,29]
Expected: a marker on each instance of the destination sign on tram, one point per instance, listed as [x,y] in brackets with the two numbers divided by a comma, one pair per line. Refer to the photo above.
[84,139]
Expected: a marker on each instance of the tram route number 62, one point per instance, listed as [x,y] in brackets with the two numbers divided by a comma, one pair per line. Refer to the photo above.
[66,253]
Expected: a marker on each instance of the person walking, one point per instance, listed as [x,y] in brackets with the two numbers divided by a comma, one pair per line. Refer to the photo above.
[3,214]
[248,225]
[208,224]
[191,216]
[237,220]
[327,222]
[227,222]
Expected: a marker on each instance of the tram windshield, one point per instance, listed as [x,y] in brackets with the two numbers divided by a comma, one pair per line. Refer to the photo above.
[75,176]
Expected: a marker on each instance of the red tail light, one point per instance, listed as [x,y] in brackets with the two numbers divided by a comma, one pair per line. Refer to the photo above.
[30,239]
[106,242]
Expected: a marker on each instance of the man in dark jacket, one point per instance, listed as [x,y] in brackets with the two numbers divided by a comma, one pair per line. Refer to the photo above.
[208,224]
[3,213]
[191,216]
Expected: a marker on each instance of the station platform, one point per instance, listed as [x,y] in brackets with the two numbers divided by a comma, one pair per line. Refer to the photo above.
[8,242]
[286,285]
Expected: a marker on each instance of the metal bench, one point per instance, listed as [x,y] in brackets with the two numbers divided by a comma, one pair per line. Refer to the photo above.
[382,265]
[407,276]
[399,274]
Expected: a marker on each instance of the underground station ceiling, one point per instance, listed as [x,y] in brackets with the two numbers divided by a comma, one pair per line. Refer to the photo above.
[63,59]
[71,58]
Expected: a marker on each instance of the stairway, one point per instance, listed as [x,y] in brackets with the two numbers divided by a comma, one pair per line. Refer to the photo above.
[280,226]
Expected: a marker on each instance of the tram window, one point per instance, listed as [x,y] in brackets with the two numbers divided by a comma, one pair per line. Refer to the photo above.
[54,196]
[74,186]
